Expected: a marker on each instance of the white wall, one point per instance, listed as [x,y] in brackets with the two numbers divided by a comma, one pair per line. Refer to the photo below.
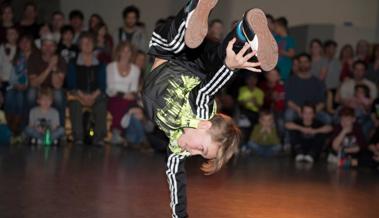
[362,13]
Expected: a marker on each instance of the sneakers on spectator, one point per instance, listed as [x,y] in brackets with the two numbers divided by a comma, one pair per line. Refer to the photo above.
[197,23]
[332,159]
[116,137]
[33,141]
[56,142]
[299,158]
[308,158]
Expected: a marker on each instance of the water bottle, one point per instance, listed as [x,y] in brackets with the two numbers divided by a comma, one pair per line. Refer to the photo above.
[47,137]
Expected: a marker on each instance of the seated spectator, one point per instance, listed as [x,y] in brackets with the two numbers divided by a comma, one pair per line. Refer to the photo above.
[66,47]
[7,53]
[57,22]
[331,69]
[362,51]
[317,54]
[250,98]
[43,120]
[15,102]
[303,88]
[347,140]
[374,141]
[140,60]
[6,20]
[5,133]
[216,30]
[130,31]
[346,62]
[44,32]
[76,18]
[122,86]
[93,22]
[136,126]
[271,23]
[373,67]
[87,83]
[361,102]
[28,24]
[286,46]
[104,44]
[264,139]
[347,89]
[47,70]
[308,135]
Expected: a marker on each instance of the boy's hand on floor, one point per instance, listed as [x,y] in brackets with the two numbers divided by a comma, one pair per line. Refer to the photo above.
[240,61]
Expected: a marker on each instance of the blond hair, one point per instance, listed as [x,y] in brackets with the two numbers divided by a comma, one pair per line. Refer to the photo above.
[226,133]
[120,47]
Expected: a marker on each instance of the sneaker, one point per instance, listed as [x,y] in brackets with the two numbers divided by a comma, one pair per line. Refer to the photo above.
[56,142]
[258,35]
[308,158]
[332,159]
[33,142]
[197,21]
[116,137]
[299,158]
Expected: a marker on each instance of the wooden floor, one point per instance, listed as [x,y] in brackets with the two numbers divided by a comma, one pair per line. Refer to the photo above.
[82,182]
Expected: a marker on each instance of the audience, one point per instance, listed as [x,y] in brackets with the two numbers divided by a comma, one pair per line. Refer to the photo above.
[6,21]
[87,84]
[264,139]
[122,86]
[44,126]
[15,101]
[286,46]
[347,140]
[47,70]
[130,31]
[298,98]
[308,135]
[5,132]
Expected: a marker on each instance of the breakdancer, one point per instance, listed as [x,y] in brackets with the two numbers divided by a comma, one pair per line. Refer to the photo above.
[188,71]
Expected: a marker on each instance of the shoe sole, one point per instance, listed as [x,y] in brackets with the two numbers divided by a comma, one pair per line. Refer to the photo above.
[267,53]
[198,23]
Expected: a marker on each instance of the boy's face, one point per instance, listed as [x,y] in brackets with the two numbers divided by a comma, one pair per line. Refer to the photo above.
[347,121]
[308,114]
[266,120]
[45,102]
[360,93]
[199,141]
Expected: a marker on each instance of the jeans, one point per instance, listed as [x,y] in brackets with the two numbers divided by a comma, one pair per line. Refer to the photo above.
[290,116]
[135,132]
[15,102]
[59,101]
[5,135]
[56,134]
[264,150]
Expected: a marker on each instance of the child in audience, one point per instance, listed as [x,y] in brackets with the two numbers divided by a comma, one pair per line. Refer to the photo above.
[307,135]
[264,139]
[347,140]
[44,118]
[5,133]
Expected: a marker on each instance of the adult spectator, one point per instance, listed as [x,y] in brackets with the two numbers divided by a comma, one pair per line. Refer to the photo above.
[44,31]
[130,31]
[346,61]
[363,51]
[347,89]
[104,43]
[286,46]
[66,47]
[122,86]
[94,21]
[271,23]
[15,106]
[47,70]
[76,18]
[373,67]
[28,24]
[7,53]
[57,22]
[317,54]
[302,88]
[216,30]
[331,69]
[6,21]
[87,83]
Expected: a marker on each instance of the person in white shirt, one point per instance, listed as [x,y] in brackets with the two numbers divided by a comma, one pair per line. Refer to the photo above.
[7,53]
[122,86]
